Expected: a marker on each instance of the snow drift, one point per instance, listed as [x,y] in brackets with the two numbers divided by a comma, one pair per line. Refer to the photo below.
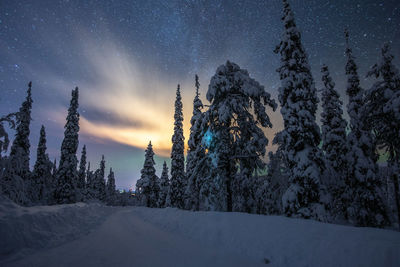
[25,229]
[95,235]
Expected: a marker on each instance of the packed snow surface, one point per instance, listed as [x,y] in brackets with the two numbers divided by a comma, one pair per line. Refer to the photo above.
[95,235]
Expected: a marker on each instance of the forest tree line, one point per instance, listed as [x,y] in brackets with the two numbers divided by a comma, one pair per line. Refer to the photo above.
[328,173]
[47,183]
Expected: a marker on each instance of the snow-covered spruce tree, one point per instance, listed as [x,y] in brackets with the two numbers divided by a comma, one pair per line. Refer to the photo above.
[111,194]
[164,187]
[19,156]
[81,183]
[381,113]
[67,170]
[178,179]
[269,191]
[99,183]
[301,134]
[365,207]
[235,117]
[41,188]
[333,125]
[195,152]
[16,172]
[147,187]
[333,143]
[204,167]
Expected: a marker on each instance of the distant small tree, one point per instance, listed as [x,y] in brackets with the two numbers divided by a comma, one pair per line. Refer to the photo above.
[147,187]
[99,183]
[41,187]
[164,187]
[111,193]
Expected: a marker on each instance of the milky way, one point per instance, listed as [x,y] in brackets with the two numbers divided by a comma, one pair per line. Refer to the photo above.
[128,56]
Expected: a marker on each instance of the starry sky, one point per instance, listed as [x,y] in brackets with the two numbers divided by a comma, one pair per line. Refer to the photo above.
[128,56]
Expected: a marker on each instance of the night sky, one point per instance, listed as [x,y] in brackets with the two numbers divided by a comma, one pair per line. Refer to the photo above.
[128,56]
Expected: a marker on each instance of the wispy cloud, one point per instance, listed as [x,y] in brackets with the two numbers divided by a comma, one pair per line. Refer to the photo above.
[120,101]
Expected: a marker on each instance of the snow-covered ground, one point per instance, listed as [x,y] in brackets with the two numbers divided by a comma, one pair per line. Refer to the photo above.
[95,235]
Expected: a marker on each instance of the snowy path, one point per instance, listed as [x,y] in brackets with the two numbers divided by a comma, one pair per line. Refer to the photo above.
[124,239]
[135,236]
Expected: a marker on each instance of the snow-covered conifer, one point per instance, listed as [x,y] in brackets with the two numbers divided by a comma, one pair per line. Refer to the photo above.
[333,125]
[237,110]
[67,170]
[164,187]
[178,179]
[301,134]
[381,113]
[99,183]
[270,188]
[365,207]
[41,187]
[195,152]
[333,144]
[147,187]
[16,168]
[19,156]
[111,194]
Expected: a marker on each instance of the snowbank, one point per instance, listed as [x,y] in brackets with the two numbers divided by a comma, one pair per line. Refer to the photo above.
[95,235]
[280,240]
[23,229]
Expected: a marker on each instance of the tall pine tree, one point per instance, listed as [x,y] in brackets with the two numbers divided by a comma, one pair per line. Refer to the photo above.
[333,125]
[381,113]
[365,207]
[147,187]
[178,179]
[67,170]
[301,134]
[333,143]
[19,155]
[16,169]
[195,152]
